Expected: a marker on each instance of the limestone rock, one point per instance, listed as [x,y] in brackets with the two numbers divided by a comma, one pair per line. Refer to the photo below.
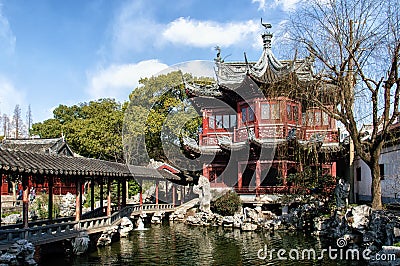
[12,219]
[203,190]
[68,204]
[360,216]
[246,226]
[20,253]
[107,236]
[251,214]
[228,221]
[80,244]
[125,227]
[157,217]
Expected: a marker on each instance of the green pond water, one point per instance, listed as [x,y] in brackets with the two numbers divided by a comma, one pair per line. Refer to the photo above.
[179,244]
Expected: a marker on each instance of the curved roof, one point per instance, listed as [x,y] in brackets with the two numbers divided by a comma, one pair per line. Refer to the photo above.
[49,146]
[24,162]
[267,70]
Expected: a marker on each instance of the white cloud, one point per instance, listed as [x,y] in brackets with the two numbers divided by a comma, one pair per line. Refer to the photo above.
[117,81]
[9,97]
[133,29]
[198,33]
[7,37]
[286,5]
[197,68]
[261,4]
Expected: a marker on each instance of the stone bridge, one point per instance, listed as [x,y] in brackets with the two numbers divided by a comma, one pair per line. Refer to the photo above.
[46,231]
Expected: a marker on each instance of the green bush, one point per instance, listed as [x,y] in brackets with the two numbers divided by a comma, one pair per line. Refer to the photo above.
[227,204]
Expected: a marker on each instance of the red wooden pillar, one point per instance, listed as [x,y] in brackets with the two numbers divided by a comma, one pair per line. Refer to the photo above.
[109,196]
[206,172]
[141,194]
[92,199]
[78,207]
[333,169]
[258,174]
[284,173]
[258,177]
[50,206]
[101,192]
[173,194]
[157,184]
[25,200]
[1,185]
[119,194]
[240,177]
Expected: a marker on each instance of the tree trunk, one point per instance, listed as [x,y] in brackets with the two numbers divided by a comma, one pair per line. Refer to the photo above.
[376,191]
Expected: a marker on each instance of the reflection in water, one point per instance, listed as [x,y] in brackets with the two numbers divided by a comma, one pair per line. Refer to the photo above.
[179,244]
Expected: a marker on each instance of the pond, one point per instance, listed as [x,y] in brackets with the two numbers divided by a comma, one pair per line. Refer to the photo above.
[180,244]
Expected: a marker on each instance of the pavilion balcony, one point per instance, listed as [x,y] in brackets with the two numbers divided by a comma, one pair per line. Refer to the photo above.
[325,135]
[213,138]
[267,131]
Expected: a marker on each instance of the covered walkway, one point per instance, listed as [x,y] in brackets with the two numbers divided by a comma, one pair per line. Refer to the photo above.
[34,167]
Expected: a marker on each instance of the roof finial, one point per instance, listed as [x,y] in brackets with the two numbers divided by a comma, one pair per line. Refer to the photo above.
[267,35]
[218,59]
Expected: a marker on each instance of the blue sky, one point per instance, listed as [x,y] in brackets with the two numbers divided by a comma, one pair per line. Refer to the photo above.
[67,52]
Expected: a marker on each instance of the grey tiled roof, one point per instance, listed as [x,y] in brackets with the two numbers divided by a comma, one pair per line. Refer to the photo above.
[49,146]
[24,162]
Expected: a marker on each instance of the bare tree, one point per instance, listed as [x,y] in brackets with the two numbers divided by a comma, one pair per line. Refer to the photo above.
[356,48]
[17,121]
[6,125]
[29,119]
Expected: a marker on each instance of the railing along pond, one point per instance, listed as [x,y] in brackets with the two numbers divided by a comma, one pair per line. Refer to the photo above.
[47,231]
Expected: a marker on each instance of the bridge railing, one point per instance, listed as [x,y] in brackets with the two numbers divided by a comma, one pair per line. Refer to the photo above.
[137,209]
[38,223]
[92,223]
[38,234]
[101,211]
[47,231]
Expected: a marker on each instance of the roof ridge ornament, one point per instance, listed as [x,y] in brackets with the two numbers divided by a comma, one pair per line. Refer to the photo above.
[267,35]
[218,58]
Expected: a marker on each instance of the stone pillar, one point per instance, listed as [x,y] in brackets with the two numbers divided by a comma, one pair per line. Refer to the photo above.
[25,200]
[109,196]
[78,204]
[92,199]
[124,190]
[50,206]
[157,184]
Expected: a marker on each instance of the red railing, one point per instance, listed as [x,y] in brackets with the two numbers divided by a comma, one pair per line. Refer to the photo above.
[64,190]
[267,190]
